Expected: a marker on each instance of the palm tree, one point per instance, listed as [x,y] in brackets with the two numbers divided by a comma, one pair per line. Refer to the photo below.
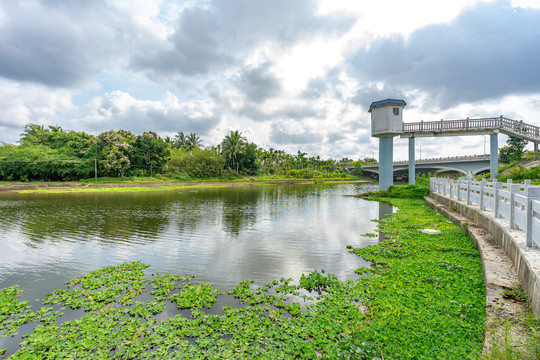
[180,140]
[34,134]
[193,141]
[233,145]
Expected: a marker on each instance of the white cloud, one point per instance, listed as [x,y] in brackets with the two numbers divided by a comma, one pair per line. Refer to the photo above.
[292,75]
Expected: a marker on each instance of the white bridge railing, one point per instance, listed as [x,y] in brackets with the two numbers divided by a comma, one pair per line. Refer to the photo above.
[517,203]
[508,126]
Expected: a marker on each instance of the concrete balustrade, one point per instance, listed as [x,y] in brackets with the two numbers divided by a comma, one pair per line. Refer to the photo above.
[517,203]
[509,212]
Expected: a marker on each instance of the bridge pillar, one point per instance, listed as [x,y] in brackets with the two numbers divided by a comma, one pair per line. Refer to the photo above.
[412,170]
[535,150]
[386,162]
[494,155]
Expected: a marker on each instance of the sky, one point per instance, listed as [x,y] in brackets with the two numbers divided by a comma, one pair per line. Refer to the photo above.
[292,75]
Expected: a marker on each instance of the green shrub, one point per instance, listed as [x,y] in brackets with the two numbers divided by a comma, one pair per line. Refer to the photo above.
[196,163]
[408,191]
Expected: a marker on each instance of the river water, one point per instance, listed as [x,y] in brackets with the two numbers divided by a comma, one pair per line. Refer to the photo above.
[220,235]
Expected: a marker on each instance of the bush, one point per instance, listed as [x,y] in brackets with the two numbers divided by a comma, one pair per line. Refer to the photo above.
[408,191]
[38,162]
[197,163]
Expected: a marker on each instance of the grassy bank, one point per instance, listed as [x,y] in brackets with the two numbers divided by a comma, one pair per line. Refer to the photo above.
[424,300]
[145,184]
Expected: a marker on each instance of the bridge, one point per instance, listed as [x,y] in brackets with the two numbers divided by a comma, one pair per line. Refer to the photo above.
[467,165]
[387,122]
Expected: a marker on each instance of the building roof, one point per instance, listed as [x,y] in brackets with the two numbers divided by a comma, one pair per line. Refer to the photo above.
[385,102]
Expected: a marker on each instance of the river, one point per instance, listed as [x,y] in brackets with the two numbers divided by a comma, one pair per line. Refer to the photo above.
[220,235]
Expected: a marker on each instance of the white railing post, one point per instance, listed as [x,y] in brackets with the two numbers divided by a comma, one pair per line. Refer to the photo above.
[496,186]
[532,193]
[513,188]
[468,196]
[458,189]
[526,184]
[482,185]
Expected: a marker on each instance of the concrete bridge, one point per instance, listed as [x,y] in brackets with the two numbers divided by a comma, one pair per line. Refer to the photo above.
[387,122]
[467,165]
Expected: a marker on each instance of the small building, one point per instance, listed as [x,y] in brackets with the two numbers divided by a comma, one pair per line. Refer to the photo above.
[387,117]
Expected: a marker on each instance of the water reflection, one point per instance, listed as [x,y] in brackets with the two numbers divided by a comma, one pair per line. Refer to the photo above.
[220,235]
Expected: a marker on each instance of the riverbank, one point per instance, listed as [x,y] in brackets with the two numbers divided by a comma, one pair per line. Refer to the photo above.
[77,186]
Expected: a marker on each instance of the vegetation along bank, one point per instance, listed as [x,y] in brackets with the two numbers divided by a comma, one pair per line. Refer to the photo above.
[424,299]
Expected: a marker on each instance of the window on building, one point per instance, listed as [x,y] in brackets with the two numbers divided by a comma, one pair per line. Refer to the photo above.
[396,111]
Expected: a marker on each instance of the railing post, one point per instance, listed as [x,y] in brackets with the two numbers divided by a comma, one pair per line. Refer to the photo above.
[458,189]
[513,189]
[482,185]
[526,184]
[467,124]
[532,193]
[496,187]
[468,196]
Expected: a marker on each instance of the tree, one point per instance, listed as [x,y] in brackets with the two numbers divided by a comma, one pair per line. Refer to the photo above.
[247,159]
[114,149]
[514,151]
[232,146]
[193,141]
[357,169]
[34,134]
[180,140]
[150,152]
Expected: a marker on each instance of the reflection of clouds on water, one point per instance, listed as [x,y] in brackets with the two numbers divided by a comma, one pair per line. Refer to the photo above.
[222,236]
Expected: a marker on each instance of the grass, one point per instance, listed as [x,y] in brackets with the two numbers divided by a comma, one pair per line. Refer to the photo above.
[425,300]
[122,189]
[263,180]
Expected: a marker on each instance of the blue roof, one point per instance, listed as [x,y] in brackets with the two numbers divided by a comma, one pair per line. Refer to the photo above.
[384,102]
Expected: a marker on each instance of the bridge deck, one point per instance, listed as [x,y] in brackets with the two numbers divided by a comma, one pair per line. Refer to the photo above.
[468,126]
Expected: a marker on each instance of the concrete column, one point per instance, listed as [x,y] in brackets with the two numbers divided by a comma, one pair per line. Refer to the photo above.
[535,150]
[412,167]
[494,155]
[386,162]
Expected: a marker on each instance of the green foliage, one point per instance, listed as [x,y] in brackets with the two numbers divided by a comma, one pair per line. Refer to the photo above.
[358,166]
[514,151]
[232,146]
[39,162]
[428,291]
[150,153]
[517,293]
[408,191]
[521,173]
[401,192]
[186,142]
[197,163]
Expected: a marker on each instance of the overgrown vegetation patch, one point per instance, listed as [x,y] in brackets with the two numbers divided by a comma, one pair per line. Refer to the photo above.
[425,301]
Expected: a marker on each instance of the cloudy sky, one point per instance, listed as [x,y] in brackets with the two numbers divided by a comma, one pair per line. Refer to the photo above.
[292,75]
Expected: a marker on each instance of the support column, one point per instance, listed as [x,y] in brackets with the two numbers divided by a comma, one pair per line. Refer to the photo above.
[412,167]
[535,150]
[386,162]
[494,155]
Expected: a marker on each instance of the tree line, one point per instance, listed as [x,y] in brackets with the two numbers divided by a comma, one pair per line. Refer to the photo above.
[52,153]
